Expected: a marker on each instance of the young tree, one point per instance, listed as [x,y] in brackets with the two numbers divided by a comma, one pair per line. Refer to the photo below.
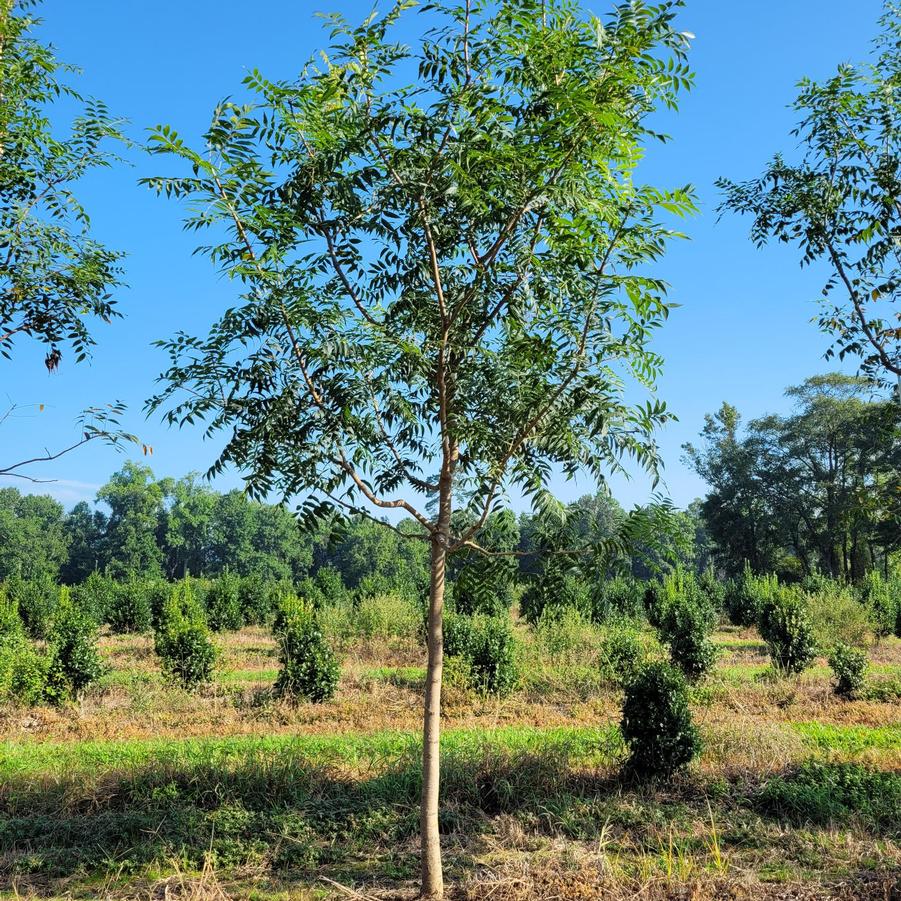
[446,286]
[841,202]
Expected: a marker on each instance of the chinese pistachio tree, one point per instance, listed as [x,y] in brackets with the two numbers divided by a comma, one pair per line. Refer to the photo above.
[446,260]
[839,203]
[53,275]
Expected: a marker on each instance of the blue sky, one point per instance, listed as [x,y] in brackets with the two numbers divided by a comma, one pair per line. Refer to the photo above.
[743,331]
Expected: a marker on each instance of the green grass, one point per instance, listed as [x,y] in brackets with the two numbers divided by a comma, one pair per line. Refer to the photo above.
[849,740]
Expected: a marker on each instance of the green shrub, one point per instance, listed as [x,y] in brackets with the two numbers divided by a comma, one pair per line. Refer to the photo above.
[686,618]
[487,647]
[157,591]
[654,602]
[23,671]
[714,589]
[623,653]
[882,599]
[223,604]
[617,598]
[849,665]
[785,627]
[556,588]
[73,660]
[565,633]
[129,610]
[182,638]
[36,600]
[746,597]
[656,723]
[258,599]
[837,617]
[387,616]
[95,596]
[309,669]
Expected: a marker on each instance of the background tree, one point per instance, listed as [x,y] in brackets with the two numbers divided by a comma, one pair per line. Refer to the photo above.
[33,540]
[815,490]
[85,529]
[446,286]
[135,500]
[841,202]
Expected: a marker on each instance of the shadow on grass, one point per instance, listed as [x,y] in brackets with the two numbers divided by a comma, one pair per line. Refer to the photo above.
[293,817]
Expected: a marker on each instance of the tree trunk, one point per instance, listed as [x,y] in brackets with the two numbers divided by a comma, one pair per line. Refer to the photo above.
[432,877]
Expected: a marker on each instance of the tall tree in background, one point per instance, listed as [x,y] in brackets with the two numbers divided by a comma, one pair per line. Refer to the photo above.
[841,202]
[815,490]
[53,275]
[446,285]
[135,500]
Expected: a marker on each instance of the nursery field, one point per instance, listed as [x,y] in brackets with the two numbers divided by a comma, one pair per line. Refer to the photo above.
[141,789]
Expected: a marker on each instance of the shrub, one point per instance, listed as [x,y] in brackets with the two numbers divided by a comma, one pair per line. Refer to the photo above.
[223,604]
[837,617]
[258,599]
[849,665]
[785,627]
[656,723]
[36,600]
[309,670]
[685,618]
[747,595]
[182,638]
[713,589]
[555,589]
[564,634]
[618,597]
[23,671]
[882,599]
[654,602]
[487,647]
[157,591]
[387,616]
[95,596]
[73,661]
[130,610]
[623,653]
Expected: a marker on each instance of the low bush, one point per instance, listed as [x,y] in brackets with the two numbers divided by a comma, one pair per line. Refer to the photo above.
[258,599]
[182,638]
[746,597]
[387,616]
[556,588]
[623,652]
[309,669]
[36,600]
[785,627]
[882,600]
[836,794]
[686,618]
[656,723]
[837,617]
[23,670]
[616,598]
[223,603]
[714,589]
[488,649]
[129,609]
[565,634]
[95,596]
[73,660]
[849,664]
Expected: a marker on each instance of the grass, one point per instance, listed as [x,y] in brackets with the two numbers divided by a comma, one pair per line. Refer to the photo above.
[144,790]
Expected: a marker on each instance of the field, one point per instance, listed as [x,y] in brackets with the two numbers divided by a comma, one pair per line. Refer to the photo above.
[143,790]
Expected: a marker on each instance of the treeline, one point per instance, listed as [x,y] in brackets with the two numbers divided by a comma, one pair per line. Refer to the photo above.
[149,528]
[818,490]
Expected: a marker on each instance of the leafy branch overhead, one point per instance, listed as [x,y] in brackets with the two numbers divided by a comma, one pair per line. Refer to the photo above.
[93,424]
[840,204]
[444,256]
[53,274]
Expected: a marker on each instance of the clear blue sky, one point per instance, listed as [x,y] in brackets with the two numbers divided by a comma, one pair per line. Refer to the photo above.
[742,334]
